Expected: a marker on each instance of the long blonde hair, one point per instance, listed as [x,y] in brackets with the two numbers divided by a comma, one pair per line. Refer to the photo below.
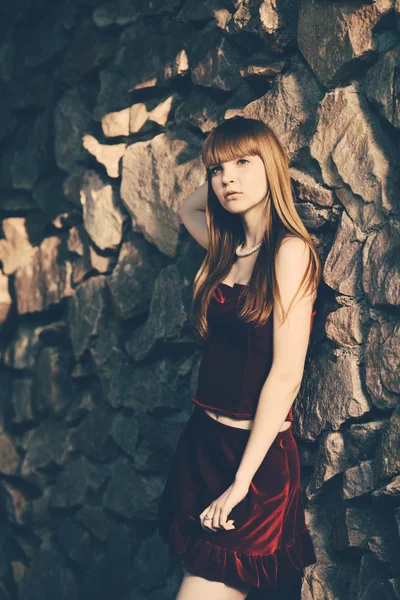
[231,139]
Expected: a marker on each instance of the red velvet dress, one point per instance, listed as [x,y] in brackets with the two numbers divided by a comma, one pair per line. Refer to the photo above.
[271,543]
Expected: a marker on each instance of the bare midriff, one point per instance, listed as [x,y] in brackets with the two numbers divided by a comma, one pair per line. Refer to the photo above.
[239,423]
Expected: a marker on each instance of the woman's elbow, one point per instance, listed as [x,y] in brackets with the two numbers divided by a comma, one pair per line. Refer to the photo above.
[289,378]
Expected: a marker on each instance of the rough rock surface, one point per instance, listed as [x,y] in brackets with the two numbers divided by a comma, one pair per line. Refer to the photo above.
[104,107]
[156,177]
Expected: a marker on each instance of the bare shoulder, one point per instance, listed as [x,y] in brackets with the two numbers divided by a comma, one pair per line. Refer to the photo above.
[293,247]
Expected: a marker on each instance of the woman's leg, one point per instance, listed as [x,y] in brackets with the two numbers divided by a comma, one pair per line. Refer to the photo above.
[194,587]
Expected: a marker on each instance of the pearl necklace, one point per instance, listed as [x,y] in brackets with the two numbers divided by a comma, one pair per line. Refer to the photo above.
[246,252]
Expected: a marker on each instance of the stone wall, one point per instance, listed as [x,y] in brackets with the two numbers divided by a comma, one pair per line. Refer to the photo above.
[104,108]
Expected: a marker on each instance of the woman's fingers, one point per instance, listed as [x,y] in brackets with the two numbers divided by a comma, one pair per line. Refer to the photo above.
[208,524]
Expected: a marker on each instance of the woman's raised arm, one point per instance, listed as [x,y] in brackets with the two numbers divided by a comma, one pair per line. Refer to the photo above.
[193,214]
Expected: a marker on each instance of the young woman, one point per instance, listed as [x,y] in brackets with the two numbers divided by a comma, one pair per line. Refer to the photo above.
[232,503]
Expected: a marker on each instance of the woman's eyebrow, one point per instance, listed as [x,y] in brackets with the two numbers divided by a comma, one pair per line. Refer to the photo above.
[216,164]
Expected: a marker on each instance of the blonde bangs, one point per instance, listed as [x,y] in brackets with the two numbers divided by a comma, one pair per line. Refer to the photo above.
[219,148]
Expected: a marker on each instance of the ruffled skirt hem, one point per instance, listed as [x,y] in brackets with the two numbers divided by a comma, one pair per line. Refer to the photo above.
[203,558]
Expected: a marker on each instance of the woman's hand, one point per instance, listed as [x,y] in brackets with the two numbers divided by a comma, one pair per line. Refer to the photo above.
[219,509]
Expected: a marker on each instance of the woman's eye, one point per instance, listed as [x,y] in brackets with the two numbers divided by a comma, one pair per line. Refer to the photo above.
[213,169]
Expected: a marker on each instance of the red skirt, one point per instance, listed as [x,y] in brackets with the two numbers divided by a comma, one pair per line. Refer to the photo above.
[271,544]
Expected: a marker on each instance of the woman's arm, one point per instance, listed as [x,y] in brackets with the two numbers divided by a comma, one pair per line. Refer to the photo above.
[193,214]
[289,354]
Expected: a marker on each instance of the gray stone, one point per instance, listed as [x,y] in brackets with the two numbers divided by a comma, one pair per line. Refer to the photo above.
[5,299]
[49,572]
[154,201]
[113,366]
[17,507]
[132,281]
[209,9]
[88,50]
[77,483]
[380,274]
[163,48]
[157,445]
[22,405]
[107,155]
[215,61]
[72,185]
[152,115]
[262,66]
[102,214]
[7,120]
[92,435]
[101,264]
[123,12]
[338,451]
[389,490]
[382,85]
[75,543]
[156,386]
[199,110]
[290,106]
[348,41]
[39,45]
[28,155]
[344,326]
[339,394]
[279,23]
[306,189]
[48,446]
[125,432]
[95,520]
[364,439]
[87,313]
[354,527]
[9,459]
[167,319]
[15,247]
[79,246]
[49,196]
[381,364]
[314,217]
[53,385]
[12,201]
[387,457]
[115,124]
[151,563]
[131,495]
[358,480]
[22,350]
[41,516]
[114,95]
[370,569]
[342,268]
[31,92]
[367,215]
[7,59]
[351,147]
[71,119]
[119,13]
[46,279]
[331,458]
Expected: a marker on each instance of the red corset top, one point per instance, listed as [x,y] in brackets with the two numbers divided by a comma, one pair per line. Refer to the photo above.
[236,360]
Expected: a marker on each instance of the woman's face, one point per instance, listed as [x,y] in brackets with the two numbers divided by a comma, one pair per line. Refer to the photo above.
[245,175]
